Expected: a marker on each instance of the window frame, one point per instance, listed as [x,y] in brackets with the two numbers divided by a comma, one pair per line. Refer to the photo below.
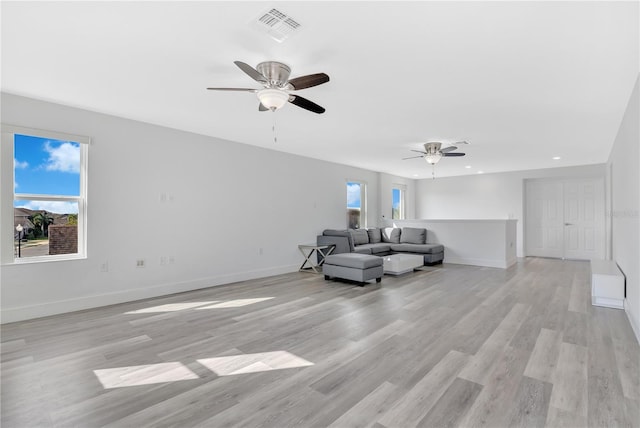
[402,209]
[9,195]
[363,202]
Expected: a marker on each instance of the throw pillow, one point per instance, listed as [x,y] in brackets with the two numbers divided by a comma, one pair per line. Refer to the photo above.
[391,235]
[374,235]
[413,235]
[360,236]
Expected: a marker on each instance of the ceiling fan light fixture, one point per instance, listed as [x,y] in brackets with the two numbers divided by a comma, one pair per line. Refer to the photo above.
[273,99]
[433,158]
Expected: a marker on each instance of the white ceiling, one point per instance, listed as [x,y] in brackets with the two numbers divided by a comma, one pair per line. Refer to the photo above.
[521,81]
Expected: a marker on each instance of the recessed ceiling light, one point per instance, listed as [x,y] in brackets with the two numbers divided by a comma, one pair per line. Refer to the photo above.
[468,166]
[480,172]
[556,158]
[415,175]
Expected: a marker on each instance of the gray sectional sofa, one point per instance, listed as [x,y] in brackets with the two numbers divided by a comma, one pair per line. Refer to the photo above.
[382,242]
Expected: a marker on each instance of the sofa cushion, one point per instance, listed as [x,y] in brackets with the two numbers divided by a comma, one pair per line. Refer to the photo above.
[374,235]
[413,235]
[360,236]
[379,248]
[353,260]
[344,233]
[362,249]
[417,248]
[391,234]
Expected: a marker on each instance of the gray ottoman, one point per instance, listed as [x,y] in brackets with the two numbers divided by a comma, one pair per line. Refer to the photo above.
[353,266]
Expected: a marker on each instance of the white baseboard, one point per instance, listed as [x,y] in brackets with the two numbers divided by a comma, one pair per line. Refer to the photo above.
[23,313]
[634,326]
[502,264]
[606,302]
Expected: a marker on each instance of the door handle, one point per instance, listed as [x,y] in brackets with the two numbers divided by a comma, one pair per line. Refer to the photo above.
[568,224]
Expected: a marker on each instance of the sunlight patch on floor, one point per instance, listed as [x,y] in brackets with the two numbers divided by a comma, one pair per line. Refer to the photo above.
[214,304]
[253,363]
[171,307]
[236,303]
[144,375]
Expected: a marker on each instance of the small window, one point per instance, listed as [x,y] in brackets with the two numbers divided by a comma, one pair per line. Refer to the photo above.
[356,205]
[49,198]
[397,203]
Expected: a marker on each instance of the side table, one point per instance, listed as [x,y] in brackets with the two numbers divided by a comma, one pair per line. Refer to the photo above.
[308,250]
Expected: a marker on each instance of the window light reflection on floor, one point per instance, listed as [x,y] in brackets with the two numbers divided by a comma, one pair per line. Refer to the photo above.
[171,307]
[253,363]
[148,374]
[235,303]
[144,375]
[214,304]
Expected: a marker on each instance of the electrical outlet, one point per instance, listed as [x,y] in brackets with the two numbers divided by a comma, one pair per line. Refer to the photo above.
[140,263]
[104,267]
[172,260]
[163,260]
[260,251]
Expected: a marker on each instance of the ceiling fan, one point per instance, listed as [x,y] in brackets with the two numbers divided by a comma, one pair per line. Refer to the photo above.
[433,152]
[274,76]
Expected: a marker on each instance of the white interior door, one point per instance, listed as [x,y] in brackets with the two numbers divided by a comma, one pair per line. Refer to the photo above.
[584,219]
[565,218]
[544,218]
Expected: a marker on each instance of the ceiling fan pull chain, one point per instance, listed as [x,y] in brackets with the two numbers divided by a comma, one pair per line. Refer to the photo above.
[273,128]
[433,171]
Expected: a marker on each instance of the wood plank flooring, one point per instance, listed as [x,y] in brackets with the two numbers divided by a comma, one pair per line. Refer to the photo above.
[448,346]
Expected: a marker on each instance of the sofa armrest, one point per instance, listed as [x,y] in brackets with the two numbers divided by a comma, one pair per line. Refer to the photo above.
[341,233]
[341,243]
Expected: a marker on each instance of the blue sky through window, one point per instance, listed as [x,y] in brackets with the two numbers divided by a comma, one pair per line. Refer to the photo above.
[353,195]
[396,198]
[46,167]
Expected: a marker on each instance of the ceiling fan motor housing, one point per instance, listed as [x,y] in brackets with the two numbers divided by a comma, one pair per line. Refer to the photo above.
[432,148]
[276,73]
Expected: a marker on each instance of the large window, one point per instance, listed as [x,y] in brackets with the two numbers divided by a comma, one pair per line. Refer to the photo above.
[49,194]
[397,202]
[356,204]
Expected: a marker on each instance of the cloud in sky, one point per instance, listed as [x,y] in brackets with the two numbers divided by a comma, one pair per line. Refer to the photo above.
[63,158]
[353,195]
[20,165]
[56,207]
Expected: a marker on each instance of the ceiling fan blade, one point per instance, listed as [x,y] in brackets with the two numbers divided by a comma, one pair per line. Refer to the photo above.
[449,149]
[261,107]
[306,104]
[420,151]
[453,154]
[251,72]
[412,157]
[460,142]
[233,89]
[308,81]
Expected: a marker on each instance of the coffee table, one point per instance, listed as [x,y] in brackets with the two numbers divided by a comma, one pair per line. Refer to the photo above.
[398,264]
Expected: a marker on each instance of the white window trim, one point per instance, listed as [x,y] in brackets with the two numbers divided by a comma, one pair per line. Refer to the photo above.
[7,194]
[403,197]
[363,201]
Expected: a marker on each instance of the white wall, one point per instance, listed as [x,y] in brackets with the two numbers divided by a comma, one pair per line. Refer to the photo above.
[624,163]
[487,196]
[225,202]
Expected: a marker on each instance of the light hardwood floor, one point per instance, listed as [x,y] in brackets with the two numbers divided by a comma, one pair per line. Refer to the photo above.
[450,346]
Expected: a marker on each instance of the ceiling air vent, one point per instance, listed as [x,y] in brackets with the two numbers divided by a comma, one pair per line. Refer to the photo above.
[277,24]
